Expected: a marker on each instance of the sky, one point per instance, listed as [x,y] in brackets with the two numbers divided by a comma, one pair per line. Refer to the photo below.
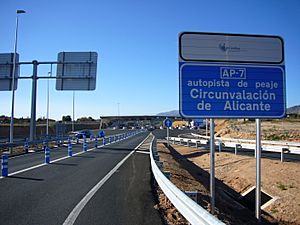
[137,46]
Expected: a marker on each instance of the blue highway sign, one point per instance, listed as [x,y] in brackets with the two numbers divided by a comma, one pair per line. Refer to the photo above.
[168,123]
[231,90]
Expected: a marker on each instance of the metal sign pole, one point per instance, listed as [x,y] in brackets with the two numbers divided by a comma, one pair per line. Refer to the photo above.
[258,171]
[212,166]
[206,127]
[168,135]
[33,102]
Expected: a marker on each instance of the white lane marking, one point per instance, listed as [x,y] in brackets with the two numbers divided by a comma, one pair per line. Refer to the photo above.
[55,160]
[143,152]
[78,208]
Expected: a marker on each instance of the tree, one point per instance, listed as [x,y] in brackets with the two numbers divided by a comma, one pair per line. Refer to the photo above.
[66,118]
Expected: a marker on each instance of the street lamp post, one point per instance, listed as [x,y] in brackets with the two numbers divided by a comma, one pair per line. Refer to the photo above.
[48,101]
[73,118]
[11,134]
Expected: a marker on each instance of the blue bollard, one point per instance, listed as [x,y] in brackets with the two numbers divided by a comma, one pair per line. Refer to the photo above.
[70,149]
[4,165]
[84,145]
[47,152]
[26,146]
[96,142]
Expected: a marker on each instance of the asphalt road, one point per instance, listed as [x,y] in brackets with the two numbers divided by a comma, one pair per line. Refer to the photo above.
[48,194]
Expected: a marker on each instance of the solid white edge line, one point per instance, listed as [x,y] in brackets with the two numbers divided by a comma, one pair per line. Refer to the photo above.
[55,160]
[143,152]
[78,208]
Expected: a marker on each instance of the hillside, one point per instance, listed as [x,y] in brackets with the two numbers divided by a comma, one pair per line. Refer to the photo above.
[294,110]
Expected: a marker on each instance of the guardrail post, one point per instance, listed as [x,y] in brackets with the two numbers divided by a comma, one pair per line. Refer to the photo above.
[235,149]
[104,141]
[167,174]
[91,137]
[70,149]
[283,150]
[220,146]
[198,144]
[96,142]
[4,165]
[188,143]
[47,152]
[77,140]
[174,141]
[180,141]
[26,146]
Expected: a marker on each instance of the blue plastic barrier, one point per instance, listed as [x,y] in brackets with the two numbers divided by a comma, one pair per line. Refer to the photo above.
[70,148]
[4,165]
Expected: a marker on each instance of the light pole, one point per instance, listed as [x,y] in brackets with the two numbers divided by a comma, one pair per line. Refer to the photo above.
[118,115]
[73,120]
[11,133]
[48,99]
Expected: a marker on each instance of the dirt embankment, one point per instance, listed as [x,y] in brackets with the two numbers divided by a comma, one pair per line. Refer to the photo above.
[189,169]
[273,130]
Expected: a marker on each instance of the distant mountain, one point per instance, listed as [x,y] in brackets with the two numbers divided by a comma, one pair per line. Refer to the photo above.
[294,110]
[170,113]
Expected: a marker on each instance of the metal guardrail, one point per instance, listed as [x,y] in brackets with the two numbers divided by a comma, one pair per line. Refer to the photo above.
[58,139]
[272,146]
[193,212]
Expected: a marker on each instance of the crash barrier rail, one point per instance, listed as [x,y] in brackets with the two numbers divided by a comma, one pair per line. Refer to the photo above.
[192,212]
[274,146]
[105,140]
[238,144]
[58,140]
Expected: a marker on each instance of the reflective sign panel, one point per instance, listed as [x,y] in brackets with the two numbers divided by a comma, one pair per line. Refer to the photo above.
[6,71]
[216,47]
[76,71]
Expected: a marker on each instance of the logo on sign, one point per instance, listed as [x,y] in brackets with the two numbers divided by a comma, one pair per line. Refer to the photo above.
[227,48]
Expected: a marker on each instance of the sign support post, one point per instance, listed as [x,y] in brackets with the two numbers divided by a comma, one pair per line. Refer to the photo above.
[33,102]
[212,166]
[258,171]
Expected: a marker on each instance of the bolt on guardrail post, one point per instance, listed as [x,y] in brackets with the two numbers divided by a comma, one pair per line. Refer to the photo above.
[4,165]
[84,145]
[96,142]
[70,149]
[26,146]
[47,152]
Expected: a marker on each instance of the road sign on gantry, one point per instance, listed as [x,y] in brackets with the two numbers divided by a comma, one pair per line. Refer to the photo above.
[231,76]
[6,71]
[76,71]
